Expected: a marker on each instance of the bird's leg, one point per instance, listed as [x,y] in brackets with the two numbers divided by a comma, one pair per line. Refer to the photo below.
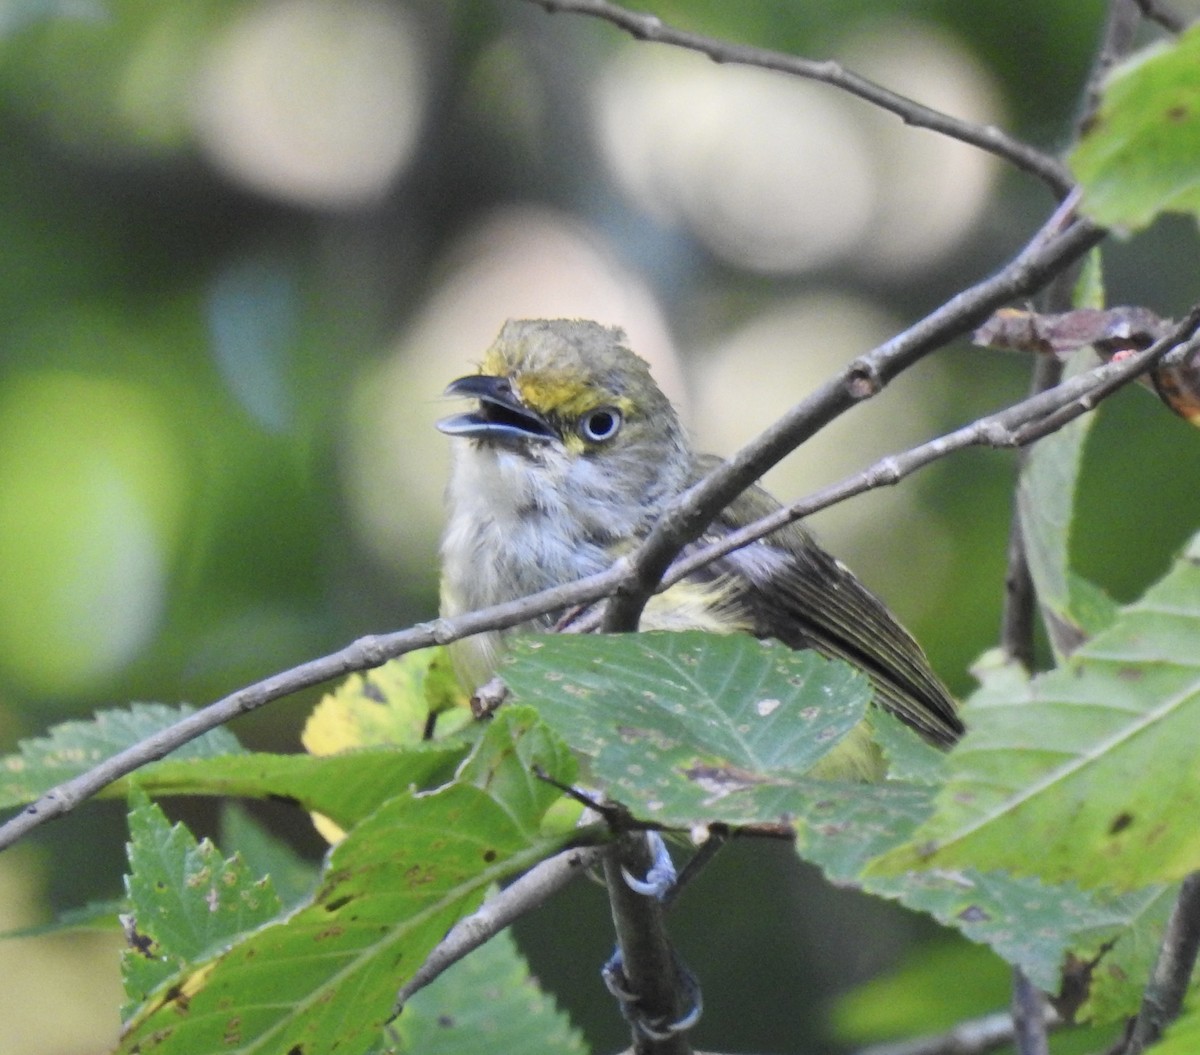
[658,995]
[661,877]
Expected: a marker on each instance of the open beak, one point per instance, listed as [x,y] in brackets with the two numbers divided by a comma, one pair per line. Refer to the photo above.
[500,416]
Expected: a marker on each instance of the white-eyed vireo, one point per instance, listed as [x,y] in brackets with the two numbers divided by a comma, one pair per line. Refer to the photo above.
[567,459]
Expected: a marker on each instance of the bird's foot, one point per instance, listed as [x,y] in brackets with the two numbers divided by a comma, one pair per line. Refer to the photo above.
[653,1027]
[661,875]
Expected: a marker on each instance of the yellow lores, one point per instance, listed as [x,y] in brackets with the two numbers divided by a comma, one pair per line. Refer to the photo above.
[568,458]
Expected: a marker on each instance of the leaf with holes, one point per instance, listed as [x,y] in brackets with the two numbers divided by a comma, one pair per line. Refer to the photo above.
[1098,768]
[691,728]
[74,747]
[185,898]
[324,978]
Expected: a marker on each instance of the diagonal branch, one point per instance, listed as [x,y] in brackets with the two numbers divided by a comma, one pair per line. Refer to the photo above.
[987,137]
[1163,998]
[366,652]
[1160,12]
[1050,251]
[978,1036]
[520,897]
[1015,426]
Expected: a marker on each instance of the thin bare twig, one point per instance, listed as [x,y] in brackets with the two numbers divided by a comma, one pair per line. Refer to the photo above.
[1051,249]
[362,654]
[1163,998]
[976,1037]
[521,896]
[1014,426]
[1157,11]
[986,137]
[1116,39]
[1030,1033]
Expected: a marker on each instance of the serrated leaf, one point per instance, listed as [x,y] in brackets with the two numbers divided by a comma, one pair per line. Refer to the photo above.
[345,787]
[1027,922]
[324,979]
[266,855]
[74,747]
[388,705]
[1122,952]
[691,728]
[487,1003]
[526,796]
[1099,769]
[1140,155]
[184,897]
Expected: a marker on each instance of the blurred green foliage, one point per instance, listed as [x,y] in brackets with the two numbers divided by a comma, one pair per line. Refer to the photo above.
[179,348]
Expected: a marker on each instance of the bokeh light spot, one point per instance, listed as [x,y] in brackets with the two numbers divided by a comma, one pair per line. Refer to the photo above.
[770,172]
[90,508]
[314,103]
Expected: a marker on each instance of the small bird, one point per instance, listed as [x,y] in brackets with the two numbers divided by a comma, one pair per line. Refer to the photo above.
[568,458]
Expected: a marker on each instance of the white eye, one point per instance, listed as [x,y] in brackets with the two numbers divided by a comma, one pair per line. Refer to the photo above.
[600,424]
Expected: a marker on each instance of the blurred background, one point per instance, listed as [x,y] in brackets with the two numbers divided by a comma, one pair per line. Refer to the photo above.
[244,245]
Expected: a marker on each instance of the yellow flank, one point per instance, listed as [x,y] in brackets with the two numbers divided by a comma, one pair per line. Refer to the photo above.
[857,757]
[695,606]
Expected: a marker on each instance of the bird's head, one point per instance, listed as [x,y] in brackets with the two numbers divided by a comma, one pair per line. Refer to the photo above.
[567,415]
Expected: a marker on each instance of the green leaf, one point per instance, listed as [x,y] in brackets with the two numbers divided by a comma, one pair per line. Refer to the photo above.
[1046,505]
[691,728]
[487,1003]
[1122,952]
[933,988]
[1027,922]
[909,757]
[672,726]
[389,705]
[507,767]
[1182,1037]
[1140,155]
[95,915]
[344,787]
[264,854]
[324,978]
[75,747]
[1098,769]
[185,898]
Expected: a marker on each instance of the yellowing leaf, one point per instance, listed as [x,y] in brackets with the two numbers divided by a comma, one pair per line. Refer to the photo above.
[390,705]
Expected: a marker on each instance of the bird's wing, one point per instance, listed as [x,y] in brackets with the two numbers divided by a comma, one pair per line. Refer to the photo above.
[796,592]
